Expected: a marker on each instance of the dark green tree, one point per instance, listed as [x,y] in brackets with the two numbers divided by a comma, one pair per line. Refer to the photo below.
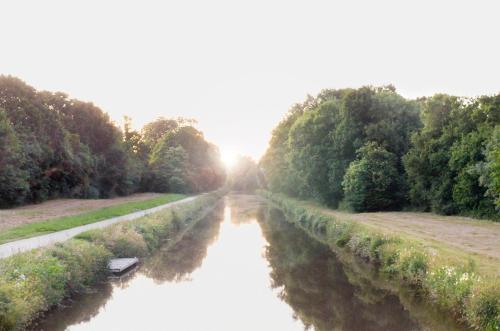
[446,164]
[13,180]
[372,181]
[311,149]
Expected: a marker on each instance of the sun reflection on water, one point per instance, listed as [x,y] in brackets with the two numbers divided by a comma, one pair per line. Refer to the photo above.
[231,290]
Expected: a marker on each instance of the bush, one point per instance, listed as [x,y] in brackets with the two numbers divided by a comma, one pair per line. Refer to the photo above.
[121,239]
[157,227]
[30,283]
[412,264]
[360,245]
[8,314]
[450,287]
[483,310]
[342,233]
[86,263]
[388,257]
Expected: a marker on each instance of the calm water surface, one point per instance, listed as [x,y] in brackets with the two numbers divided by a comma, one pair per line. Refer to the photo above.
[241,268]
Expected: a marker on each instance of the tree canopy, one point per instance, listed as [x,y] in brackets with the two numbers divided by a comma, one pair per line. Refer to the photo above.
[371,149]
[54,146]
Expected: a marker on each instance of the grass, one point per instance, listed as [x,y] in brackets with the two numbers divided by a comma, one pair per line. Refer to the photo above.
[68,222]
[453,280]
[33,282]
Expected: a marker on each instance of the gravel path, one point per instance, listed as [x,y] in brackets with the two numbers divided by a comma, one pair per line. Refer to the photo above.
[18,246]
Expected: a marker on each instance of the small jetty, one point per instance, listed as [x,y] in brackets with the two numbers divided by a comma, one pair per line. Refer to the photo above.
[117,266]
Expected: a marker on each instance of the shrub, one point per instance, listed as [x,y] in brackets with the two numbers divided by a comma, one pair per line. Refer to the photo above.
[343,233]
[389,256]
[156,228]
[360,245]
[86,263]
[8,313]
[450,287]
[483,310]
[411,264]
[121,239]
[377,241]
[30,283]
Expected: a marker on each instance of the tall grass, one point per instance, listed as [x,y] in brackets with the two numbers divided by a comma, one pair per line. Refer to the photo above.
[33,282]
[452,283]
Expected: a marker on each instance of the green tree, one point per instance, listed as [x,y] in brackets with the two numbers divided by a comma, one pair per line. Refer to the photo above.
[204,169]
[490,169]
[372,181]
[446,164]
[54,146]
[154,131]
[13,180]
[169,167]
[311,149]
[426,164]
[275,163]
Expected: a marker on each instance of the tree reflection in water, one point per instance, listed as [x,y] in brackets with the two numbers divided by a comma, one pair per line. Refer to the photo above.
[321,290]
[313,283]
[176,263]
[80,309]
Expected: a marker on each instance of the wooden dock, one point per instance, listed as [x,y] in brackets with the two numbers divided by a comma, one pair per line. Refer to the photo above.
[120,265]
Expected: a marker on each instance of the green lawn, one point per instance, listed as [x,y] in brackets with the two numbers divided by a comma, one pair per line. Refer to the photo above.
[67,222]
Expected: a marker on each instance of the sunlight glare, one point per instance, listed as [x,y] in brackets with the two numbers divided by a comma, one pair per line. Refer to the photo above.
[228,158]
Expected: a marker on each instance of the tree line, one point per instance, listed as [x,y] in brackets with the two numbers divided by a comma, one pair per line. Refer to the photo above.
[53,146]
[244,175]
[370,149]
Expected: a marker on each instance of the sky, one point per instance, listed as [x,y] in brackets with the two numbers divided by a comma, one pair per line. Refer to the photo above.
[237,66]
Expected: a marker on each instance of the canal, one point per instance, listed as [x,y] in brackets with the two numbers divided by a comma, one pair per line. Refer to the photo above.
[243,267]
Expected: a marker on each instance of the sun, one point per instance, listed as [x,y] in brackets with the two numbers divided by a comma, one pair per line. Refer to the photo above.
[228,158]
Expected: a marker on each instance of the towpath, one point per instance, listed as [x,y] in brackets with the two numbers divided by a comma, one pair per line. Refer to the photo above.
[18,246]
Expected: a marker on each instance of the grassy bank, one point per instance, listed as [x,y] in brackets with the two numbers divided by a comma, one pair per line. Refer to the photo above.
[446,277]
[33,282]
[68,222]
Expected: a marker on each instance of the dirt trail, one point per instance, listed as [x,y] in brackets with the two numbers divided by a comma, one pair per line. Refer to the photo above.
[10,218]
[474,236]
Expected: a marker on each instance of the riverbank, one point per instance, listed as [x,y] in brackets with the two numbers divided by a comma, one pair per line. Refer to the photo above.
[31,221]
[459,282]
[28,244]
[35,281]
[246,260]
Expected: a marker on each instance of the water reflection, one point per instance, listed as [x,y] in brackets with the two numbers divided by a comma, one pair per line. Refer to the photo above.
[313,282]
[176,263]
[80,309]
[241,268]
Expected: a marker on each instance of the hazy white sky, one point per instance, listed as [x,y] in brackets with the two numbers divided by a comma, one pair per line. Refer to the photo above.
[237,66]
